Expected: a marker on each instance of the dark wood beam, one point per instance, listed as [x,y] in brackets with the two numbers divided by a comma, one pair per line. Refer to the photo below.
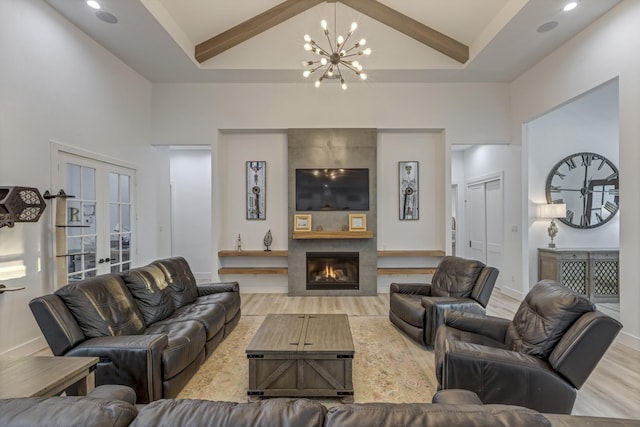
[412,28]
[252,27]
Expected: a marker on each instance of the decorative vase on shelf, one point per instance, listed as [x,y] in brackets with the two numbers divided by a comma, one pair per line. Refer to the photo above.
[268,239]
[239,243]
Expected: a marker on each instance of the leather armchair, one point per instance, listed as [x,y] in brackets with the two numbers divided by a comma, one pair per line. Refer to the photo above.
[538,360]
[460,284]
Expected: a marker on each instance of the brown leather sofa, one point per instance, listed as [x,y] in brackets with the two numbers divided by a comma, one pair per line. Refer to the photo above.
[460,284]
[537,360]
[151,327]
[114,407]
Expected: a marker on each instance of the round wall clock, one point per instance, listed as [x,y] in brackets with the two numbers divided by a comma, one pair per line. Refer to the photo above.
[588,184]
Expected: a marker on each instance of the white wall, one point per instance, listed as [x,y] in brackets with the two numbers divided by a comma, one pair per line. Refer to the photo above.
[58,84]
[599,54]
[190,172]
[213,113]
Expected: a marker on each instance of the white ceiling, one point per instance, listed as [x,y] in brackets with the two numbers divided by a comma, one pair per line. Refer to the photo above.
[157,38]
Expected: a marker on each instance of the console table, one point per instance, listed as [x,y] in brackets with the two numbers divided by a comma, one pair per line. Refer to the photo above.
[592,273]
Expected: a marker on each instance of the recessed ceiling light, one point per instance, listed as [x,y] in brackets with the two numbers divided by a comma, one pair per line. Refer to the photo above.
[93,4]
[570,6]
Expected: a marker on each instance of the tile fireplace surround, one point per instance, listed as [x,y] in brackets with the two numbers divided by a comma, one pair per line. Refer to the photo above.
[332,148]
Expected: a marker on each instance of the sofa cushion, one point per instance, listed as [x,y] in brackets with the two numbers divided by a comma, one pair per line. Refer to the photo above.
[547,311]
[211,316]
[455,277]
[180,280]
[103,306]
[149,288]
[429,415]
[71,411]
[186,342]
[203,413]
[229,300]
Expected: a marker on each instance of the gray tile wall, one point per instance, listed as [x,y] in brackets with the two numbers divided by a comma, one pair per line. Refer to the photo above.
[333,148]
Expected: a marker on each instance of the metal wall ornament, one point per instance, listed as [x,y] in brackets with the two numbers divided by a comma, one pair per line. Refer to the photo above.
[588,184]
[256,190]
[20,204]
[409,200]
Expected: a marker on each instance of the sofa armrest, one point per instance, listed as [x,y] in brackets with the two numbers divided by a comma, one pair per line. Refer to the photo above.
[114,392]
[131,360]
[456,397]
[59,327]
[215,288]
[410,288]
[437,307]
[493,327]
[502,376]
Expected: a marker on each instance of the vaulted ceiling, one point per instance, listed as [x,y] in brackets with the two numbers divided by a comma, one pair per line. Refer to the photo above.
[247,41]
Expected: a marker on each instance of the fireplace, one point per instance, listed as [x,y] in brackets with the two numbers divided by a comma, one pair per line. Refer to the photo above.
[333,270]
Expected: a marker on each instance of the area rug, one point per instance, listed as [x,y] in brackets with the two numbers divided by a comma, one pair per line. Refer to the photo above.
[387,366]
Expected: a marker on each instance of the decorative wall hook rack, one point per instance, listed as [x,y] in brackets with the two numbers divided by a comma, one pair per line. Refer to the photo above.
[4,288]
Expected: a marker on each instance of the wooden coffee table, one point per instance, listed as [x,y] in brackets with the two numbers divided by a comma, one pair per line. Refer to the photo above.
[45,376]
[302,355]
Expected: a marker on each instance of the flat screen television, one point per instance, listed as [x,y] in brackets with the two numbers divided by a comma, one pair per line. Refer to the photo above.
[332,189]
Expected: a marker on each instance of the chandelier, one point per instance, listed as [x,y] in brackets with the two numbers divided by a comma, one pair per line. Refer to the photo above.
[337,58]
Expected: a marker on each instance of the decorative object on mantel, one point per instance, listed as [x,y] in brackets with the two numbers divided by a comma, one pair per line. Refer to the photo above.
[408,178]
[553,211]
[302,222]
[256,190]
[239,243]
[268,239]
[587,183]
[357,222]
[20,204]
[336,55]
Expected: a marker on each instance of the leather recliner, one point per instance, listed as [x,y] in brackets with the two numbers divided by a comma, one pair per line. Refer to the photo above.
[537,360]
[460,284]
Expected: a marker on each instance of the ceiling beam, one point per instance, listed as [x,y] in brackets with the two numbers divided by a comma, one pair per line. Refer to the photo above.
[412,28]
[252,27]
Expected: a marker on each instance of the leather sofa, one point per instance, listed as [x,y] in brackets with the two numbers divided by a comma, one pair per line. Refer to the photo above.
[417,309]
[151,327]
[113,407]
[537,360]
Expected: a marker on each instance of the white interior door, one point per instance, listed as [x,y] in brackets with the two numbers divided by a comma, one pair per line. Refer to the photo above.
[494,215]
[476,202]
[99,217]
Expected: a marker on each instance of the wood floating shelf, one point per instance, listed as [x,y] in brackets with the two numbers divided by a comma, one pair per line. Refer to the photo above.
[412,253]
[407,270]
[227,253]
[318,235]
[253,270]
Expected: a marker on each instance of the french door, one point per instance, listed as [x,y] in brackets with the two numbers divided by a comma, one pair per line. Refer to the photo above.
[98,223]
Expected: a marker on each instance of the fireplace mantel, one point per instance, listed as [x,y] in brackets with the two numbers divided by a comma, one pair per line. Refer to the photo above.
[316,235]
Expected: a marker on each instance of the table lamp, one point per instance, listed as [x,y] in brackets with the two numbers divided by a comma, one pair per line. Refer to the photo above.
[553,211]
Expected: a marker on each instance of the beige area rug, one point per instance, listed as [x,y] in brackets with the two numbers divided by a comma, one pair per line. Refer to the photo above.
[387,367]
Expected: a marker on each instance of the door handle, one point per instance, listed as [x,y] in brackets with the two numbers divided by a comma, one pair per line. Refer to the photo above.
[103,260]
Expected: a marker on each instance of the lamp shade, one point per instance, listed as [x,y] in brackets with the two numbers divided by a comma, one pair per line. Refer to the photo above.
[553,210]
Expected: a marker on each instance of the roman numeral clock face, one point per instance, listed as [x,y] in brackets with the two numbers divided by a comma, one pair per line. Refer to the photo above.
[588,184]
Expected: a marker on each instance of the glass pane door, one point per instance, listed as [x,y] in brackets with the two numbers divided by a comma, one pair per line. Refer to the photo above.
[98,218]
[119,221]
[81,224]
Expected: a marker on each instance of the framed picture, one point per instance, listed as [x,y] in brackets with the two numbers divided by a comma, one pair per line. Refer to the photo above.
[357,222]
[408,181]
[302,222]
[257,190]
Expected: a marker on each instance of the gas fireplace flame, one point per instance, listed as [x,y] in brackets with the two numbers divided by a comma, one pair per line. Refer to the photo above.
[329,272]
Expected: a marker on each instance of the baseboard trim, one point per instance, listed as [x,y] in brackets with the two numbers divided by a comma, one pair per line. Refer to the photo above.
[263,289]
[629,340]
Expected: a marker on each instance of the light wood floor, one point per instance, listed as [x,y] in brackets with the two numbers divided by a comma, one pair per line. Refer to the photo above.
[612,390]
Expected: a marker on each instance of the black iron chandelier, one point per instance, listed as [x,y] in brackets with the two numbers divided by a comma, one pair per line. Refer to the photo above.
[337,58]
